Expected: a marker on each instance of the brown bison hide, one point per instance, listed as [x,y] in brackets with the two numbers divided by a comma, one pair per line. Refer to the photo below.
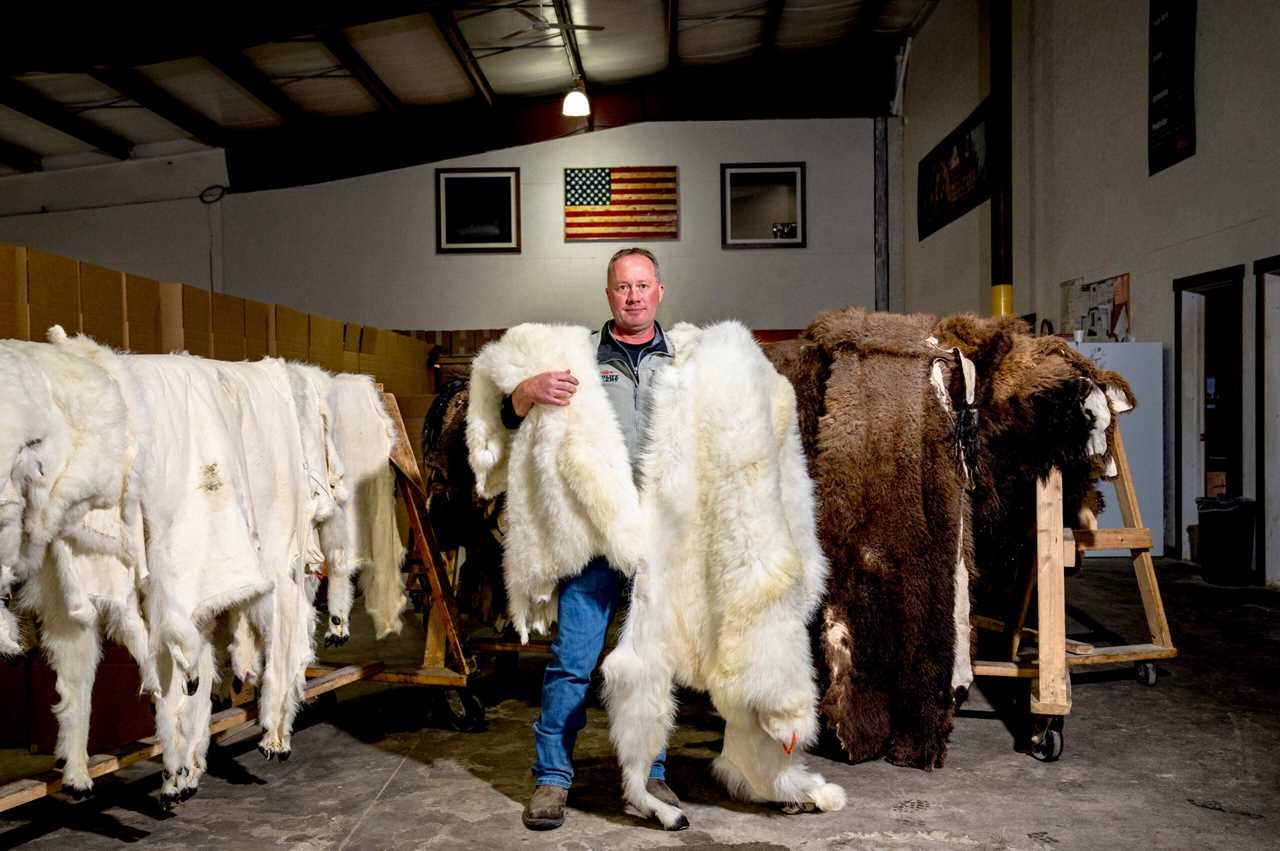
[1031,393]
[892,514]
[458,516]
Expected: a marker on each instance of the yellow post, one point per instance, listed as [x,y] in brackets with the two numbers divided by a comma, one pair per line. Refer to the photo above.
[1001,299]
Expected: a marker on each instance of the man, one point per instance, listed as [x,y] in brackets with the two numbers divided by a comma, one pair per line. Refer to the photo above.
[632,348]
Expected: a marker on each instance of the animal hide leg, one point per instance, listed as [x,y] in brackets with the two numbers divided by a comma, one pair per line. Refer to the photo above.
[754,767]
[638,695]
[73,650]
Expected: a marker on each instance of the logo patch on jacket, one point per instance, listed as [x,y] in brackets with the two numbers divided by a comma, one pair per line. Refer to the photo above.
[608,375]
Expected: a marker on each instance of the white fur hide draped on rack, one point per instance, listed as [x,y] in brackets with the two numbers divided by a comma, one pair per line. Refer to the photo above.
[727,565]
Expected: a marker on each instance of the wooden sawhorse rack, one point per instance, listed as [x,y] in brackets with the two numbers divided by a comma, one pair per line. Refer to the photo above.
[1049,668]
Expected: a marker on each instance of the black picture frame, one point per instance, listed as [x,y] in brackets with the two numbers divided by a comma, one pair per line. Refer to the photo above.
[477,211]
[763,205]
[953,177]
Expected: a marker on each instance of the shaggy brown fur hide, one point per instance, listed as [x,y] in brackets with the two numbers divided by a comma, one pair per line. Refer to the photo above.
[1030,397]
[892,510]
[457,515]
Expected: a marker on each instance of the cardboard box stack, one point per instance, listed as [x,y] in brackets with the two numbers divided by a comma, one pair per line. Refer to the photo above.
[102,304]
[326,341]
[228,326]
[53,293]
[15,319]
[143,332]
[186,323]
[351,347]
[259,329]
[293,333]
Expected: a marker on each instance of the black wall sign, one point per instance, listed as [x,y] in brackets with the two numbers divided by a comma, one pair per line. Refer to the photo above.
[1171,107]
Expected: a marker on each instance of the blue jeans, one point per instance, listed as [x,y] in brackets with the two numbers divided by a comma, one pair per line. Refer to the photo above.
[587,602]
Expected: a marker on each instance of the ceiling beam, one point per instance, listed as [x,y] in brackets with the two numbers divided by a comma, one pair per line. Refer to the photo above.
[241,70]
[452,33]
[132,35]
[673,35]
[868,16]
[18,158]
[746,90]
[570,36]
[769,29]
[146,94]
[336,42]
[26,100]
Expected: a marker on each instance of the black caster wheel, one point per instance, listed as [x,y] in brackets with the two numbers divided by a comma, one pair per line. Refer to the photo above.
[461,710]
[1145,673]
[1046,742]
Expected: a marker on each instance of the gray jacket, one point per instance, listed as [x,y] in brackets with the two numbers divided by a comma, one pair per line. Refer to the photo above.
[627,387]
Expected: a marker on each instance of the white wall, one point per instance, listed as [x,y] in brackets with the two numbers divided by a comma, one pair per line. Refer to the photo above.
[138,216]
[364,249]
[1083,204]
[950,271]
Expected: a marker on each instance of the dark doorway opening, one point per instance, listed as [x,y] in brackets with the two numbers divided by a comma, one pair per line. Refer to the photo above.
[1208,393]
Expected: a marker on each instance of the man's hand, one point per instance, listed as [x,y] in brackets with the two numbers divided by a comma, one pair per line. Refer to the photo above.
[545,388]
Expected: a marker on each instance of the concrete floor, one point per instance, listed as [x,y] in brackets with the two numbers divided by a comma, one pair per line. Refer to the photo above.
[1190,763]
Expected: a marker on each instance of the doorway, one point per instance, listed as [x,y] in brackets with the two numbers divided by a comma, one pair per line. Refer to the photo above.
[1209,394]
[1266,274]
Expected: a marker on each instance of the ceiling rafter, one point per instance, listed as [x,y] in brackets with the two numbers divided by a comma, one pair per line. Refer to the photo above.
[26,100]
[448,26]
[769,28]
[673,35]
[142,91]
[19,158]
[337,43]
[869,15]
[565,19]
[241,70]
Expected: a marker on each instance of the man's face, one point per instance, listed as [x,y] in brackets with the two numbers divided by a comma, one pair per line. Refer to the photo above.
[634,294]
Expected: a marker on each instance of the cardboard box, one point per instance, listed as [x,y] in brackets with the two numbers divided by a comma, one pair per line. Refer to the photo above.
[1215,484]
[102,300]
[351,337]
[259,320]
[185,319]
[53,293]
[292,333]
[326,342]
[142,314]
[15,319]
[227,347]
[227,315]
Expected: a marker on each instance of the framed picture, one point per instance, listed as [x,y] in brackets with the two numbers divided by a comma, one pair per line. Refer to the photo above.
[952,179]
[633,203]
[762,205]
[477,210]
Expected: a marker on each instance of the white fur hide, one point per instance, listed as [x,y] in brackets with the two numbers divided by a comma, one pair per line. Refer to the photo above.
[570,494]
[369,542]
[723,543]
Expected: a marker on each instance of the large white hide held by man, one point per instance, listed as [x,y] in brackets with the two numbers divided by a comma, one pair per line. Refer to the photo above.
[566,474]
[726,561]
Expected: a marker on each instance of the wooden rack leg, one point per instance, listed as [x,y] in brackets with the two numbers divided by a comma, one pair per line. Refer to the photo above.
[1143,567]
[1051,690]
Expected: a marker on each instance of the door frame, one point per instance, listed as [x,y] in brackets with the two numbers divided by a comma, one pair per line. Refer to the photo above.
[1261,269]
[1228,276]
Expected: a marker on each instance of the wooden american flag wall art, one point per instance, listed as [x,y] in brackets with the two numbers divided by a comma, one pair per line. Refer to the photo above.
[632,203]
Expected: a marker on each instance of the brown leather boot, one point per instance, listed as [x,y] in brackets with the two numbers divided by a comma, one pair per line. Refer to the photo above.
[661,791]
[545,810]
